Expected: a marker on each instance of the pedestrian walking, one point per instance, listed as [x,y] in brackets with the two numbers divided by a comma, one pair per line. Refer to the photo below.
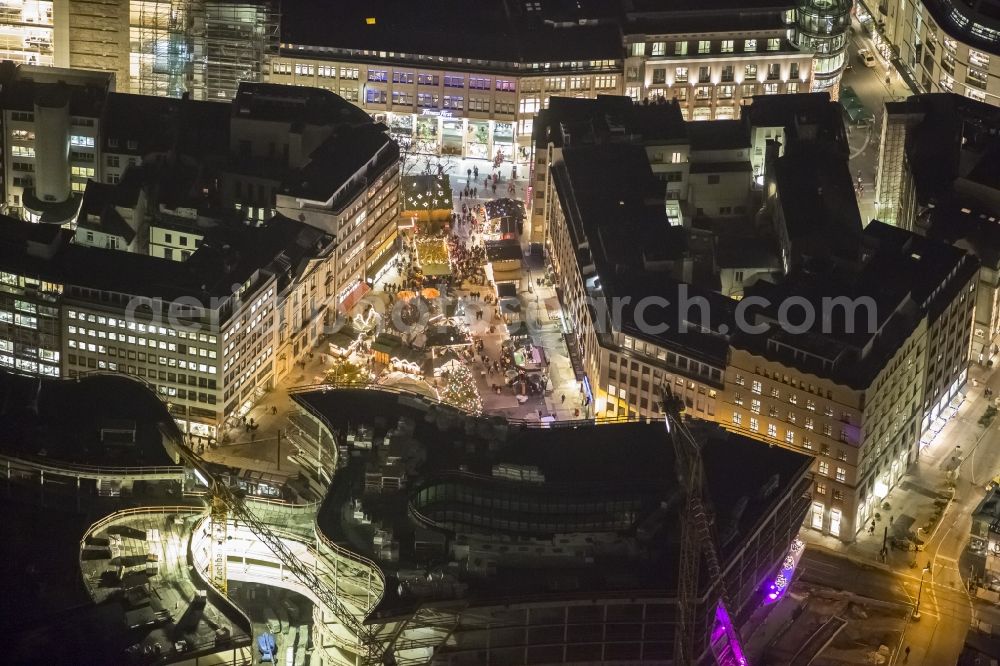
[906,654]
[562,399]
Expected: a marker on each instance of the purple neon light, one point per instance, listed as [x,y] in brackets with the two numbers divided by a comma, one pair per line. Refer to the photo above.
[775,589]
[726,640]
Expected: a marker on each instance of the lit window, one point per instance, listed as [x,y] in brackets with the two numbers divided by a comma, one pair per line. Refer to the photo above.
[737,418]
[772,430]
[756,388]
[755,406]
[841,474]
[824,468]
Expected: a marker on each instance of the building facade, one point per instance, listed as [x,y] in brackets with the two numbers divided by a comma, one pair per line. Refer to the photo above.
[942,46]
[199,48]
[208,334]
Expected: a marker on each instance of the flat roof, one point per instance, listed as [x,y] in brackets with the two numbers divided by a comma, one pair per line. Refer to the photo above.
[616,211]
[592,120]
[143,124]
[339,159]
[501,32]
[230,255]
[66,424]
[905,275]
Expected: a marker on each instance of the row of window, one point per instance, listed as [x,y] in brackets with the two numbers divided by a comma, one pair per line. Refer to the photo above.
[754,425]
[140,327]
[27,365]
[740,380]
[702,47]
[726,74]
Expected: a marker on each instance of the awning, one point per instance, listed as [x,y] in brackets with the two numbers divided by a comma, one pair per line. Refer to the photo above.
[354,296]
[507,276]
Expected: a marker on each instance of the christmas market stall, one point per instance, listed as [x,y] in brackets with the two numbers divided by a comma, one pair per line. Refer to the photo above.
[343,341]
[383,347]
[432,255]
[427,199]
[505,259]
[504,218]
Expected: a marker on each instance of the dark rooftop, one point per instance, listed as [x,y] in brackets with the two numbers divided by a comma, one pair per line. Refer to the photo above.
[297,105]
[608,118]
[617,210]
[99,200]
[628,462]
[230,255]
[804,116]
[905,275]
[143,124]
[502,31]
[338,159]
[85,91]
[718,135]
[59,421]
[817,199]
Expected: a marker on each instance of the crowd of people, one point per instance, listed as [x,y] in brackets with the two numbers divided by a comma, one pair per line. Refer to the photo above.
[467,260]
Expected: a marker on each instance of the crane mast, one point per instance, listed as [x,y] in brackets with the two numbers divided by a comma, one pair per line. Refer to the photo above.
[697,540]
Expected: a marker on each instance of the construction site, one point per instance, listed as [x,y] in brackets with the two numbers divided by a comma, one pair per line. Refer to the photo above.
[200,48]
[442,537]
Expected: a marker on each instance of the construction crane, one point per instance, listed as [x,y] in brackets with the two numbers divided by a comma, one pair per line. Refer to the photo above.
[697,539]
[227,503]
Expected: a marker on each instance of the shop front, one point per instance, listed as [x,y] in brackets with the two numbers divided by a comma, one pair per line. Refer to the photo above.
[427,135]
[503,141]
[477,139]
[451,136]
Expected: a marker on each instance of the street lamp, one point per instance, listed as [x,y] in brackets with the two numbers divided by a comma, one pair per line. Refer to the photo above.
[916,609]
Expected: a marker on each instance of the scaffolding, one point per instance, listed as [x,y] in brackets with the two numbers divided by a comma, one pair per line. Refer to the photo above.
[200,48]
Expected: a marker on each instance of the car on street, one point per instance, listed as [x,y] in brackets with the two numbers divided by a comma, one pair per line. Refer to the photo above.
[867,57]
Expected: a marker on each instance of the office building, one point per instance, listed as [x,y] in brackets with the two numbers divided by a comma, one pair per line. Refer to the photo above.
[862,402]
[713,58]
[453,79]
[202,333]
[860,395]
[941,46]
[936,173]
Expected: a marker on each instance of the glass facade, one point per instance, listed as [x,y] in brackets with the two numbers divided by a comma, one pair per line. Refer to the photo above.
[821,27]
[498,507]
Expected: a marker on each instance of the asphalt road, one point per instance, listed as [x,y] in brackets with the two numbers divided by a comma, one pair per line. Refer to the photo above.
[841,573]
[946,609]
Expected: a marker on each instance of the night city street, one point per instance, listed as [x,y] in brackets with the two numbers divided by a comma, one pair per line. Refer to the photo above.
[500,333]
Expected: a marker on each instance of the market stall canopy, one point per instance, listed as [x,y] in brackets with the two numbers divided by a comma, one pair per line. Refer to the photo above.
[386,343]
[510,305]
[340,341]
[446,336]
[505,208]
[507,275]
[405,295]
[430,293]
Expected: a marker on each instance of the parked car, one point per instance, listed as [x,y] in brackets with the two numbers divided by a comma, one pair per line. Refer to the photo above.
[867,57]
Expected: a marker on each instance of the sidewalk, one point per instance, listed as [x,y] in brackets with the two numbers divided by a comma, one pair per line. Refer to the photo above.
[925,486]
